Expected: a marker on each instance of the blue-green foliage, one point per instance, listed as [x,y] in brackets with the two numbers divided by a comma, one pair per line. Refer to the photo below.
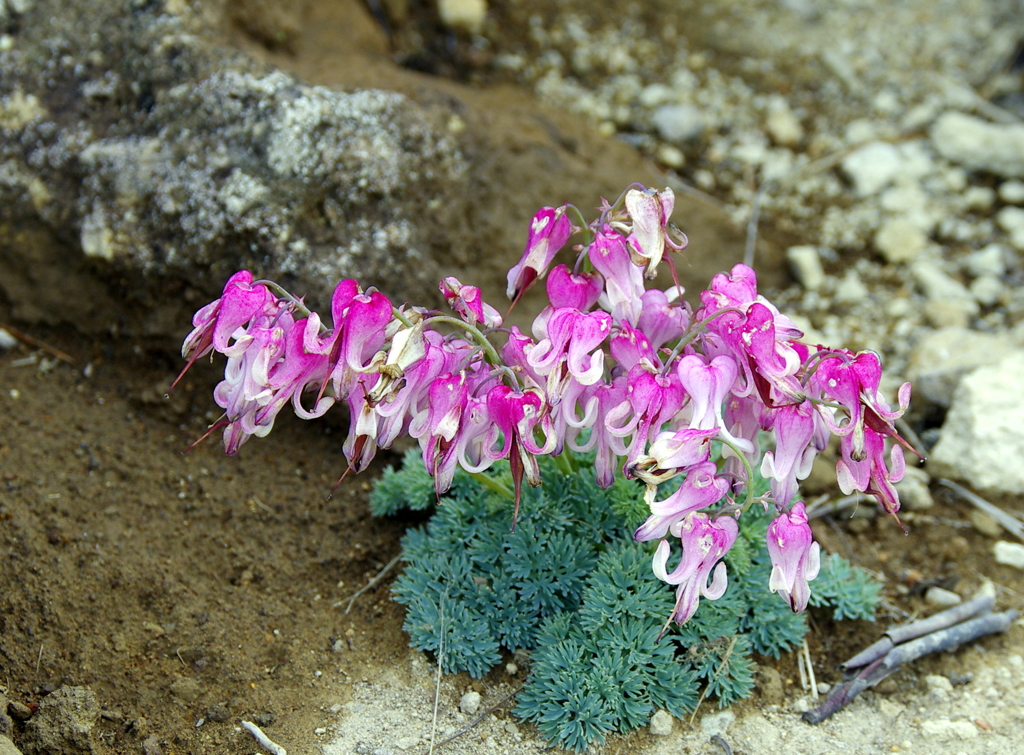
[571,585]
[850,590]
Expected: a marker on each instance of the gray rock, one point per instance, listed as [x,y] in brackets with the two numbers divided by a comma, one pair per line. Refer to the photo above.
[63,723]
[6,724]
[950,303]
[981,441]
[978,145]
[989,260]
[189,165]
[661,723]
[913,489]
[142,162]
[679,123]
[7,746]
[942,357]
[470,703]
[942,598]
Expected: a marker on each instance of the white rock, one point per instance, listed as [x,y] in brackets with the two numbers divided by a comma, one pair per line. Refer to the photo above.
[913,490]
[671,156]
[872,167]
[661,723]
[938,596]
[1012,192]
[717,723]
[981,440]
[463,15]
[851,288]
[949,729]
[656,94]
[1009,554]
[979,145]
[900,240]
[979,198]
[987,290]
[942,357]
[805,262]
[1010,219]
[985,524]
[7,341]
[989,260]
[679,123]
[782,125]
[936,284]
[470,703]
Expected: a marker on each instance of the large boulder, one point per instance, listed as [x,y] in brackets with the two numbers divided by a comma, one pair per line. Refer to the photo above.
[143,159]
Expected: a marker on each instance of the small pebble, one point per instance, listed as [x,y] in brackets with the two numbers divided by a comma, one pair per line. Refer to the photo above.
[19,711]
[661,724]
[470,703]
[218,713]
[463,15]
[938,681]
[899,240]
[985,524]
[1012,192]
[942,598]
[1009,554]
[805,262]
[511,669]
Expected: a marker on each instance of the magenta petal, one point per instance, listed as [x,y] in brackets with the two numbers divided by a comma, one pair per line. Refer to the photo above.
[574,290]
[549,230]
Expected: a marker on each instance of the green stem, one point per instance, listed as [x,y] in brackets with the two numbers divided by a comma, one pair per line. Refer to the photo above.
[401,318]
[695,330]
[581,222]
[492,484]
[750,473]
[285,294]
[478,337]
[564,464]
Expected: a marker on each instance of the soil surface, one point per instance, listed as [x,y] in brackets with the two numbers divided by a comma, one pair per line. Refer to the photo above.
[190,591]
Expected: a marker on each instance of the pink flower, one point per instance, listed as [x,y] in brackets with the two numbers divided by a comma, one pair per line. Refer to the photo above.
[569,349]
[574,290]
[549,230]
[649,210]
[624,281]
[217,322]
[865,470]
[704,542]
[796,558]
[672,453]
[468,303]
[601,398]
[653,401]
[515,414]
[701,488]
[359,330]
[708,384]
[795,427]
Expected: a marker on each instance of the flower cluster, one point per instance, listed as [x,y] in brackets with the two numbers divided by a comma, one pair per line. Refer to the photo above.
[653,388]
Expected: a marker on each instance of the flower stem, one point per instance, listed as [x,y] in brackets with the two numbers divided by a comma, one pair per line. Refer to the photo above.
[492,484]
[478,337]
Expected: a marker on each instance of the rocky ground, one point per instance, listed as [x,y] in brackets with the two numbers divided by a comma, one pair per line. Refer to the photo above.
[870,156]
